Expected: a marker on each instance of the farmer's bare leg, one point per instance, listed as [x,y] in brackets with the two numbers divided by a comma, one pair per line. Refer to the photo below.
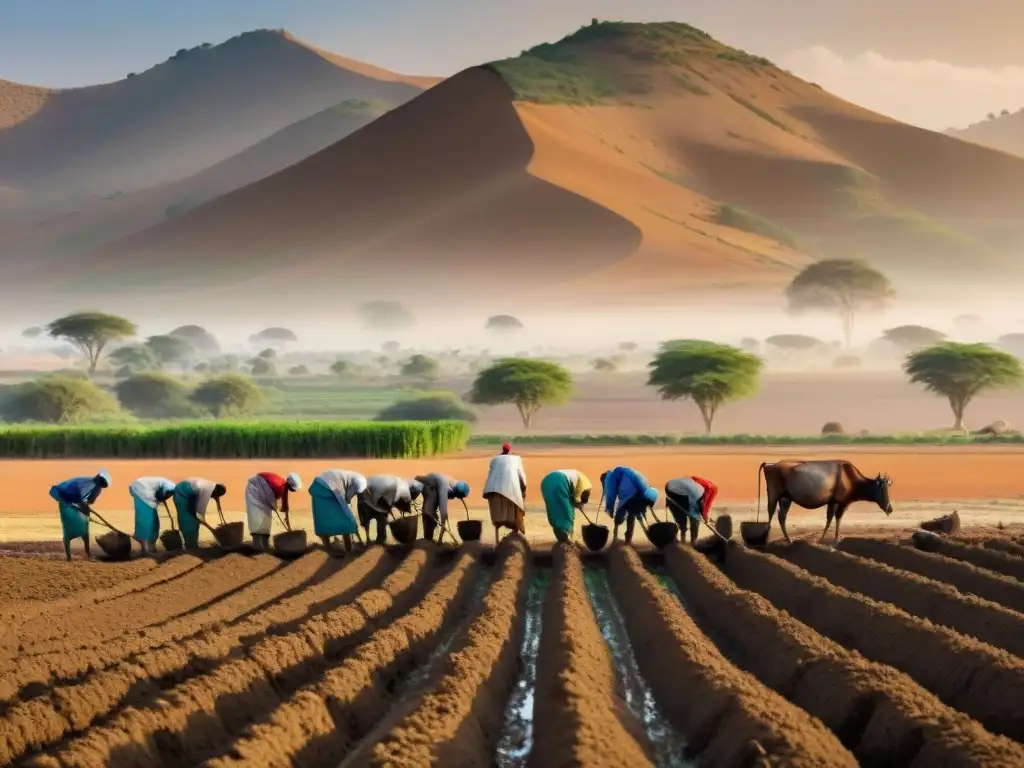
[346,539]
[326,542]
[85,543]
[694,529]
[784,505]
[67,549]
[497,534]
[630,524]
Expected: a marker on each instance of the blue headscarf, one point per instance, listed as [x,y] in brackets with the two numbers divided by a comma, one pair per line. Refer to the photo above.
[651,496]
[460,490]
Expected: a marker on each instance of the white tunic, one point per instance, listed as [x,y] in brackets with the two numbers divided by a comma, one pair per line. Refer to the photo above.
[507,476]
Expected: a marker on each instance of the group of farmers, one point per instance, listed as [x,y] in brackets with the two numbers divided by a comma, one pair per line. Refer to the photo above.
[627,498]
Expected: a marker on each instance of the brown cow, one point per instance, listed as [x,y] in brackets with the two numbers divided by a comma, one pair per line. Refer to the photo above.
[834,483]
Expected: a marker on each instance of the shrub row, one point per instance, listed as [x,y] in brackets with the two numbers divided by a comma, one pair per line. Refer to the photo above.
[639,440]
[228,440]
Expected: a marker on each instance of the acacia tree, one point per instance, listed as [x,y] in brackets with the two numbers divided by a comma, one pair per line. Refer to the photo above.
[709,374]
[794,341]
[198,337]
[228,393]
[91,332]
[276,337]
[911,337]
[503,323]
[960,372]
[527,384]
[134,357]
[421,367]
[170,349]
[844,286]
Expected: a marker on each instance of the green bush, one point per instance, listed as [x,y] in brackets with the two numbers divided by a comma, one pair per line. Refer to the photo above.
[738,218]
[155,395]
[58,400]
[236,440]
[430,406]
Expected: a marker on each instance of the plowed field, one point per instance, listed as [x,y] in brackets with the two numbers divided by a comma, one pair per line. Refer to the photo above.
[871,653]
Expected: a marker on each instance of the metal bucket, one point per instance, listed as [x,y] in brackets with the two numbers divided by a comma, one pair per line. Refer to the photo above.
[470,530]
[755,534]
[116,545]
[172,540]
[595,536]
[230,535]
[404,529]
[290,543]
[662,534]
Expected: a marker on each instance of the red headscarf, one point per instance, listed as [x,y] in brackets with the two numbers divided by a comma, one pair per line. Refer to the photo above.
[506,449]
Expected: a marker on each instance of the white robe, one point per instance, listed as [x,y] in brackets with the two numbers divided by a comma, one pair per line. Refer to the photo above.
[507,477]
[260,505]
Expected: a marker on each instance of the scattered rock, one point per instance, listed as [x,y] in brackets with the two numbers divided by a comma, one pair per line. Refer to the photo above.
[833,428]
[947,525]
[996,428]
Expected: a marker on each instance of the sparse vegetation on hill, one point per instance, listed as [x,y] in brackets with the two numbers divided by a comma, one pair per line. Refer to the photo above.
[572,71]
[738,218]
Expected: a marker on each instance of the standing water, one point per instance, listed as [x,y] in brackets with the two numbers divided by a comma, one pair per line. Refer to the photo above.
[668,744]
[517,733]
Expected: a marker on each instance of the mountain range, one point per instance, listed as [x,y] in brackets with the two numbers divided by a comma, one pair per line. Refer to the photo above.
[626,163]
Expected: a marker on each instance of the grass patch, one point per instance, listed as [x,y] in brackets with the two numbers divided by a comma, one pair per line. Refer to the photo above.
[739,218]
[641,440]
[540,81]
[237,440]
[760,112]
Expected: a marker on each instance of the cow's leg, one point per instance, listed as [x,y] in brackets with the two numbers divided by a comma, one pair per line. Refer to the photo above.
[772,503]
[829,514]
[784,504]
[839,518]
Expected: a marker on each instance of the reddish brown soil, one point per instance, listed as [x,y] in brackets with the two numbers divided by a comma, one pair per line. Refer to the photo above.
[975,678]
[739,722]
[967,578]
[1001,545]
[939,603]
[990,559]
[880,714]
[23,579]
[580,718]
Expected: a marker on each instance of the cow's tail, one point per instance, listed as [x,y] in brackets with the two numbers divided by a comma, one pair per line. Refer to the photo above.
[760,471]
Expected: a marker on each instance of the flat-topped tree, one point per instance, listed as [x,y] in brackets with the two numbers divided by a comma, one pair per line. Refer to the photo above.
[961,372]
[794,341]
[275,337]
[911,337]
[527,384]
[91,332]
[421,367]
[709,374]
[503,323]
[198,337]
[169,349]
[843,286]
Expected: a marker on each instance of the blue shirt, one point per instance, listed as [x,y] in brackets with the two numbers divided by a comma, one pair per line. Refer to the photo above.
[623,484]
[77,490]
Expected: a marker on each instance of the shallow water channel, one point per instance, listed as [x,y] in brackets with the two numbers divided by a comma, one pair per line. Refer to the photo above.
[668,744]
[517,731]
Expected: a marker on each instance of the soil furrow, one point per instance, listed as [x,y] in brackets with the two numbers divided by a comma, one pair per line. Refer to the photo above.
[76,630]
[939,603]
[1000,562]
[457,720]
[879,713]
[968,578]
[170,655]
[1002,545]
[728,717]
[977,679]
[206,711]
[26,579]
[321,723]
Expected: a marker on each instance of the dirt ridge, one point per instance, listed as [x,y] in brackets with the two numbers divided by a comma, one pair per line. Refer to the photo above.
[966,577]
[740,722]
[939,603]
[1000,562]
[977,679]
[320,723]
[879,713]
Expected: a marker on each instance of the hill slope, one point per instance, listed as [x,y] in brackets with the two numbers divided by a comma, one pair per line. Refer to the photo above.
[632,162]
[188,113]
[1004,132]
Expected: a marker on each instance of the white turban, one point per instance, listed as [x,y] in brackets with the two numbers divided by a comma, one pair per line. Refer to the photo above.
[294,481]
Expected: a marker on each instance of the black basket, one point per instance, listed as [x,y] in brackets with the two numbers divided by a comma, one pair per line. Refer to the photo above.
[229,535]
[595,536]
[172,540]
[290,543]
[116,545]
[662,534]
[755,534]
[404,529]
[470,530]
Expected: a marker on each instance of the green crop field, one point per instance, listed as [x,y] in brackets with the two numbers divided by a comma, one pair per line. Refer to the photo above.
[923,438]
[237,440]
[326,401]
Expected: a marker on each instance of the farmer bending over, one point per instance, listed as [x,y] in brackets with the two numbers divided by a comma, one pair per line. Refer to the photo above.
[262,495]
[75,498]
[689,500]
[149,493]
[634,495]
[192,496]
[505,491]
[332,493]
[564,491]
[384,493]
[438,489]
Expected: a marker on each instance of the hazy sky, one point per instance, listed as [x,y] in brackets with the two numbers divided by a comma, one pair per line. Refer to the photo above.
[936,63]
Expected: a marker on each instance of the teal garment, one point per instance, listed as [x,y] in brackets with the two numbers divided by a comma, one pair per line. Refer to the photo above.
[558,497]
[185,499]
[147,521]
[74,523]
[331,515]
